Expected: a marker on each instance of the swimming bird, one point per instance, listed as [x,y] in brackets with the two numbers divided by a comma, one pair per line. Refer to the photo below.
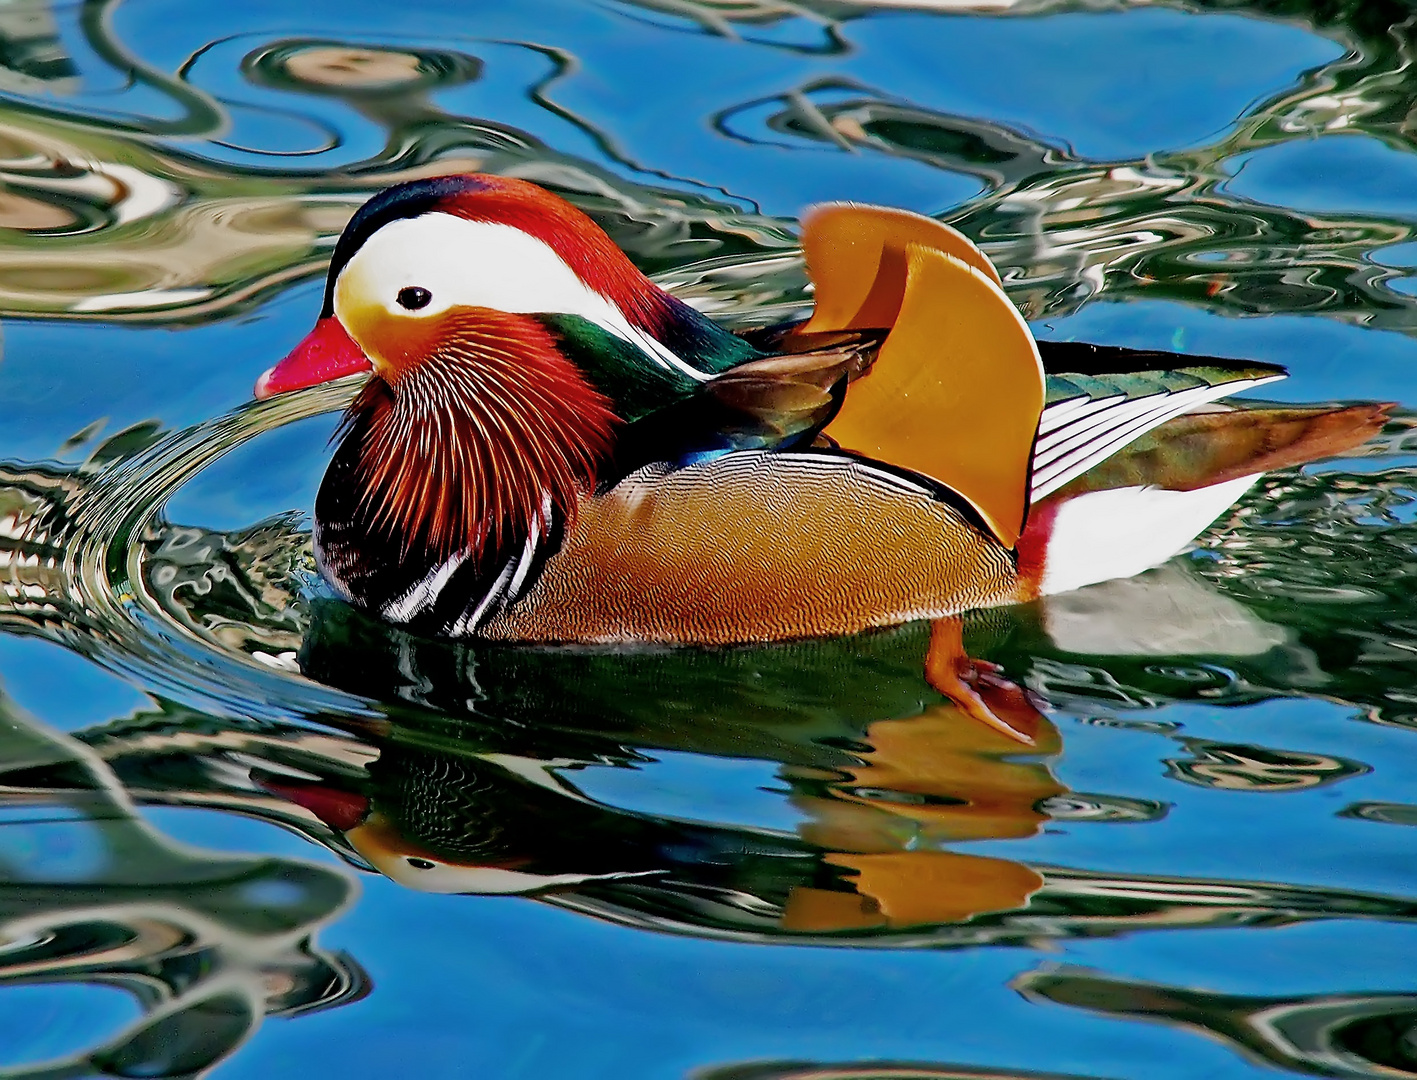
[552,448]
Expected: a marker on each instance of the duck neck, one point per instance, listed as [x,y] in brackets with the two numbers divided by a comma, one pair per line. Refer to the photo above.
[476,455]
[697,339]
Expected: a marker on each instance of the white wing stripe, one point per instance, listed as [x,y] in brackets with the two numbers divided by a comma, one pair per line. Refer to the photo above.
[470,619]
[1065,463]
[660,353]
[1081,458]
[514,588]
[1068,438]
[1065,412]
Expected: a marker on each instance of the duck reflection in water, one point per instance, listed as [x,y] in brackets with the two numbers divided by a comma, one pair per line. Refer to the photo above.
[880,770]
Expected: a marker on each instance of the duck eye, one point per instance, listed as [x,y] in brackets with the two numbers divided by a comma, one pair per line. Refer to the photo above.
[413,297]
[420,864]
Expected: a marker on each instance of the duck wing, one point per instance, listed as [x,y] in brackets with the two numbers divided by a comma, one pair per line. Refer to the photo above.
[951,388]
[776,403]
[916,360]
[968,422]
[1215,446]
[1101,399]
[1081,381]
[1151,499]
[966,426]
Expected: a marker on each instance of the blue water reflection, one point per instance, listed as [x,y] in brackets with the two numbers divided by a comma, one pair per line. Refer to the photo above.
[227,796]
[1180,80]
[1348,175]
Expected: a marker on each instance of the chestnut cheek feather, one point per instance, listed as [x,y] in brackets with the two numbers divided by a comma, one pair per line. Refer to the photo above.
[326,354]
[464,444]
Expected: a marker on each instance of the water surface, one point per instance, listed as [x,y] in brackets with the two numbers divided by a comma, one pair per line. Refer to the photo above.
[245,830]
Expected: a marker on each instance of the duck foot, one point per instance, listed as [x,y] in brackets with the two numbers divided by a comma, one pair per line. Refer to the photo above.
[977,687]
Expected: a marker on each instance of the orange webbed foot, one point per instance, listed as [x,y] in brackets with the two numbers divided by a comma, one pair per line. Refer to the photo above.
[977,687]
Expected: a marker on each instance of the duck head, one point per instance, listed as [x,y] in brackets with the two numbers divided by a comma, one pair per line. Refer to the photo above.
[450,824]
[418,257]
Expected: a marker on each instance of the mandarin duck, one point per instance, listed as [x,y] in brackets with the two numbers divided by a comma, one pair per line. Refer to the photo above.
[551,448]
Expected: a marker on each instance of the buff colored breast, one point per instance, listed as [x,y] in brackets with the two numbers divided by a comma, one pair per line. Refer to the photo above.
[755,546]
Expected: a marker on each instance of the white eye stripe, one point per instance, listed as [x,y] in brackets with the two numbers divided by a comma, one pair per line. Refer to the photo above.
[464,263]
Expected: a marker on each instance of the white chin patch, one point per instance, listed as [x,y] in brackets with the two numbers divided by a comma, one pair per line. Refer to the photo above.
[466,263]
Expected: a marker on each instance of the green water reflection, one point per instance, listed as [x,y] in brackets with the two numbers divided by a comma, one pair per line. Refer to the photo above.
[207,944]
[107,220]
